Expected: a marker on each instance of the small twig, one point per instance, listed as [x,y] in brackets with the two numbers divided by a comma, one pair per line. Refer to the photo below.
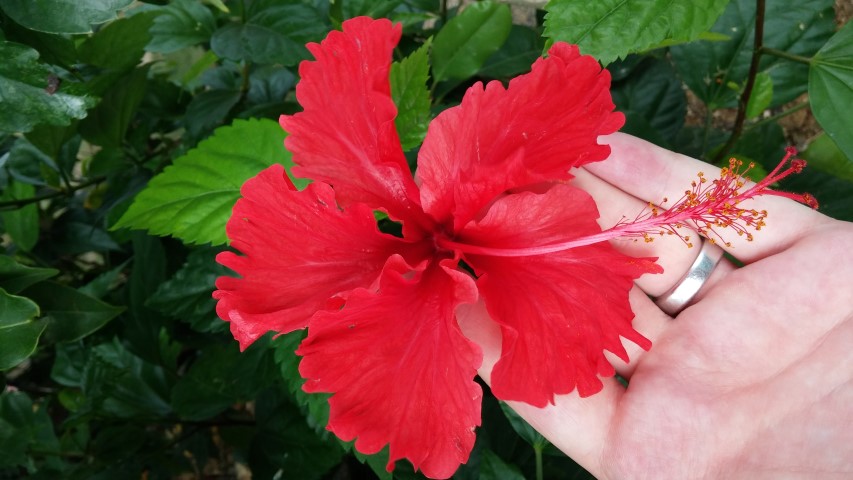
[786,55]
[765,121]
[750,83]
[22,202]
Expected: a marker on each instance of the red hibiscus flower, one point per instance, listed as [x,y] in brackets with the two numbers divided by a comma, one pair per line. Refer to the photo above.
[492,175]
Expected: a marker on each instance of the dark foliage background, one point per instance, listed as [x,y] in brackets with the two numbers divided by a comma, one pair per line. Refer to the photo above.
[128,126]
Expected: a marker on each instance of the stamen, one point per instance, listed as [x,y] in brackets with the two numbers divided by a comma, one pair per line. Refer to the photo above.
[708,207]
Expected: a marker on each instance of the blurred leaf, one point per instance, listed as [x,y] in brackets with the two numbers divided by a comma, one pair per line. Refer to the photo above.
[187,295]
[209,109]
[522,428]
[273,33]
[762,95]
[831,88]
[73,315]
[222,376]
[24,425]
[15,277]
[269,84]
[653,102]
[142,324]
[22,224]
[410,93]
[521,49]
[54,49]
[368,8]
[183,23]
[26,163]
[103,283]
[285,443]
[19,333]
[796,27]
[192,199]
[611,29]
[107,123]
[24,97]
[462,46]
[822,154]
[492,467]
[62,16]
[120,44]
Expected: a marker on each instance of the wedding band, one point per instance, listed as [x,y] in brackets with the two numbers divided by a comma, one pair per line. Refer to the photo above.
[678,297]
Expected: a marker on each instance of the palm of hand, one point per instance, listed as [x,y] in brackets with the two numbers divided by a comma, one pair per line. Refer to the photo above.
[749,382]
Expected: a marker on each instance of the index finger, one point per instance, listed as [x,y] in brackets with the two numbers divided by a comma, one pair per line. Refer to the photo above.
[653,174]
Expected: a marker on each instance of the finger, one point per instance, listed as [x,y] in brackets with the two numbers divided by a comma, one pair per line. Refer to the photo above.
[651,174]
[561,422]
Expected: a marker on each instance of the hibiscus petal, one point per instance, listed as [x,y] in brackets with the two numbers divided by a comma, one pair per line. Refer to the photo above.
[399,367]
[299,250]
[557,312]
[346,135]
[546,122]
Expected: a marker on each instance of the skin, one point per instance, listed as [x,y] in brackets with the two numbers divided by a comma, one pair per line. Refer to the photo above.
[754,380]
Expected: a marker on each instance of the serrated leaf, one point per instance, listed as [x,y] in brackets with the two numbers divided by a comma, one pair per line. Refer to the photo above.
[796,27]
[19,333]
[183,23]
[22,224]
[831,88]
[410,93]
[15,277]
[187,295]
[63,16]
[462,46]
[611,29]
[761,96]
[73,315]
[314,406]
[220,377]
[120,44]
[24,97]
[272,33]
[192,199]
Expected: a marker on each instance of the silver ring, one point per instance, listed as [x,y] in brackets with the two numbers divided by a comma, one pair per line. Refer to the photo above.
[678,297]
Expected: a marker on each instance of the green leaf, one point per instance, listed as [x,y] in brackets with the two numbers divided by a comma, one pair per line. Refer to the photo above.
[831,88]
[73,315]
[187,295]
[183,23]
[15,277]
[369,8]
[521,49]
[822,154]
[611,29]
[492,467]
[273,33]
[21,224]
[208,109]
[107,123]
[761,96]
[24,98]
[19,333]
[62,16]
[120,44]
[409,89]
[653,102]
[793,26]
[221,377]
[314,406]
[462,46]
[523,429]
[192,199]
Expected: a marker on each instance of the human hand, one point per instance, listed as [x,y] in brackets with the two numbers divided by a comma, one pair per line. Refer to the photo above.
[753,380]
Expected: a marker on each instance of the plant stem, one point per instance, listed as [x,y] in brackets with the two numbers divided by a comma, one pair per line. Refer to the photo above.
[540,474]
[786,55]
[15,204]
[765,121]
[750,83]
